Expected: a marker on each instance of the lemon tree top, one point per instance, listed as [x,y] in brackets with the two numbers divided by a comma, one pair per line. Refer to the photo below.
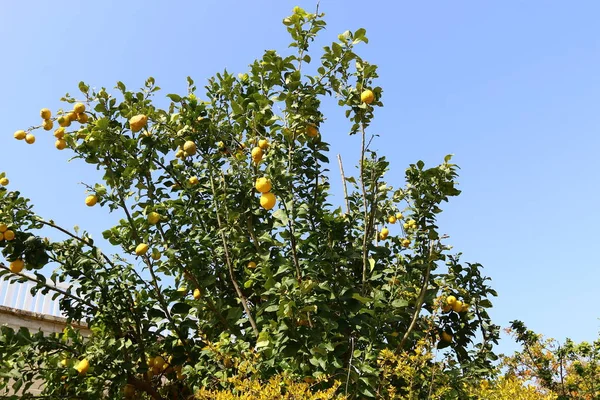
[290,283]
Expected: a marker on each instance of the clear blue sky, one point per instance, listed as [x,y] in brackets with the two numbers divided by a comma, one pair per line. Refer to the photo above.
[511,88]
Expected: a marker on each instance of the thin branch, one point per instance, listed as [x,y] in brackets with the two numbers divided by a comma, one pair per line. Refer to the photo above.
[229,263]
[53,288]
[420,298]
[339,157]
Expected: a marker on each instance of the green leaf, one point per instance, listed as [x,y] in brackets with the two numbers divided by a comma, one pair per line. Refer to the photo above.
[360,298]
[175,97]
[180,308]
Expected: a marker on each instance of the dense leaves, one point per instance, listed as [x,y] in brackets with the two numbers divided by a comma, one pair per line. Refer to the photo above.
[207,278]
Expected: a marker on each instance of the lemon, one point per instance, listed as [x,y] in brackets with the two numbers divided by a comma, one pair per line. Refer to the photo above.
[221,145]
[257,154]
[16,266]
[446,337]
[384,233]
[399,216]
[405,243]
[141,249]
[367,96]
[60,144]
[64,121]
[159,362]
[29,138]
[47,124]
[268,200]
[82,366]
[312,131]
[72,116]
[9,235]
[193,180]
[190,147]
[153,218]
[450,300]
[263,144]
[138,122]
[392,219]
[197,294]
[59,133]
[3,228]
[251,265]
[180,154]
[457,306]
[156,255]
[4,181]
[20,135]
[45,113]
[78,108]
[83,118]
[263,185]
[91,200]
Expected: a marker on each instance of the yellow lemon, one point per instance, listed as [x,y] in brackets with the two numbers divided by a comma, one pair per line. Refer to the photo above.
[47,124]
[59,133]
[367,96]
[153,218]
[405,243]
[4,181]
[141,249]
[193,180]
[20,135]
[457,306]
[384,233]
[91,200]
[78,108]
[392,219]
[82,366]
[60,144]
[16,266]
[450,300]
[138,122]
[64,121]
[29,138]
[263,185]
[190,147]
[257,154]
[263,144]
[268,200]
[3,228]
[251,265]
[83,118]
[45,113]
[197,294]
[399,216]
[9,235]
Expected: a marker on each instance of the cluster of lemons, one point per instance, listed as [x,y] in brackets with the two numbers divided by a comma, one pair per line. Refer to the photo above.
[267,199]
[64,121]
[453,304]
[408,225]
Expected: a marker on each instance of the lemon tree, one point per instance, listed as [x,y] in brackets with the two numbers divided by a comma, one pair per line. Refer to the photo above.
[230,259]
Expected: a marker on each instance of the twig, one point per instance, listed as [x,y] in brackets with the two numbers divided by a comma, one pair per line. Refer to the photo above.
[419,299]
[339,157]
[350,363]
[229,264]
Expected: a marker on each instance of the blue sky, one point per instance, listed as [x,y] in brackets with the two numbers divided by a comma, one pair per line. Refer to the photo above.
[511,88]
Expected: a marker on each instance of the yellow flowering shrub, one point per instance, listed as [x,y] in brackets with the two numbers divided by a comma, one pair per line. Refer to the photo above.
[277,388]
